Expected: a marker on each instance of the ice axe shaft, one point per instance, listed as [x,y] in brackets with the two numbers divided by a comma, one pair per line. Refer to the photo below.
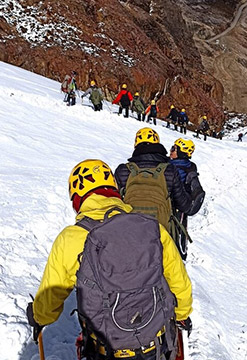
[41,347]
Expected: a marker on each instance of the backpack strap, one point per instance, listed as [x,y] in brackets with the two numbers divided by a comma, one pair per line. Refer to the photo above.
[87,223]
[160,169]
[180,226]
[116,208]
[133,168]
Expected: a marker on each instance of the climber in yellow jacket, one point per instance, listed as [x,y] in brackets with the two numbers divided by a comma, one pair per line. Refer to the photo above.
[93,191]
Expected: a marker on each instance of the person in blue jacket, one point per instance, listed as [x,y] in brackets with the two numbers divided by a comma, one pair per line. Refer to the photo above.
[180,155]
[183,121]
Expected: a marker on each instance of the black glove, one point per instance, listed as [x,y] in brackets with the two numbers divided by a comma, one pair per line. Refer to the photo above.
[185,325]
[36,327]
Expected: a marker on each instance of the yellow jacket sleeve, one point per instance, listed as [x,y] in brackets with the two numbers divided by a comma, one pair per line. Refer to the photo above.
[59,276]
[176,276]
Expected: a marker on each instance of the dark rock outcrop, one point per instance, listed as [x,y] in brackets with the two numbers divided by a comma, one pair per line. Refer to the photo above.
[148,45]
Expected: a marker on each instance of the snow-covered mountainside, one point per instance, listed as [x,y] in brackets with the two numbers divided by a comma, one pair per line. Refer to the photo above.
[41,139]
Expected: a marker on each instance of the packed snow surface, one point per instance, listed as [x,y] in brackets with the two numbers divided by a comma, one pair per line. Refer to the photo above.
[41,140]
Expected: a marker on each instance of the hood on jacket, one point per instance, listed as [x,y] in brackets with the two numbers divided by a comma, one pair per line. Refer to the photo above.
[148,151]
[95,207]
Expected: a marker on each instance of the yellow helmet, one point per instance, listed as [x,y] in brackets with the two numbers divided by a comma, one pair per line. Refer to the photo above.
[146,135]
[183,110]
[152,102]
[137,94]
[89,175]
[124,86]
[186,146]
[92,83]
[172,107]
[204,117]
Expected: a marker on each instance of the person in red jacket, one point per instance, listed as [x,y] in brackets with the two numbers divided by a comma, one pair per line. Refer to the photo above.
[152,111]
[124,98]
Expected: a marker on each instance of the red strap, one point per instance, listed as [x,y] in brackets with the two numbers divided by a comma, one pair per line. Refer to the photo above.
[180,353]
[79,345]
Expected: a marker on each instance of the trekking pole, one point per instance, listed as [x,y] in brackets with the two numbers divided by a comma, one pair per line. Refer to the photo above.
[105,102]
[41,348]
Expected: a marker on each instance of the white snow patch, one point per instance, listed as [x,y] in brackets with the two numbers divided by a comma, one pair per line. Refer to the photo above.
[41,139]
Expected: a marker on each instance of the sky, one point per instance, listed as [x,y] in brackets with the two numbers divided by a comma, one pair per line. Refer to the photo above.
[41,140]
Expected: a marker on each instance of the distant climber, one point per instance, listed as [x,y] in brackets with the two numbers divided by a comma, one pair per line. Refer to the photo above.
[152,111]
[183,121]
[138,105]
[240,137]
[69,87]
[172,117]
[203,128]
[96,96]
[124,97]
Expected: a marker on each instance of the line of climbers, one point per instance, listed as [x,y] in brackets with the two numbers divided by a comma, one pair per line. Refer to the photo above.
[124,98]
[136,104]
[181,119]
[125,253]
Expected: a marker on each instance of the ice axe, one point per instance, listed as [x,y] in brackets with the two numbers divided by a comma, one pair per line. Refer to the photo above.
[37,336]
[41,347]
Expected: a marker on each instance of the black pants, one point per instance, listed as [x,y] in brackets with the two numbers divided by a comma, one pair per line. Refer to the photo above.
[175,125]
[98,107]
[126,111]
[151,117]
[203,132]
[183,129]
[141,117]
[71,98]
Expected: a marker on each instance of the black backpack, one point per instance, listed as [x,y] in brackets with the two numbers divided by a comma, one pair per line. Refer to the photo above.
[125,101]
[153,111]
[122,294]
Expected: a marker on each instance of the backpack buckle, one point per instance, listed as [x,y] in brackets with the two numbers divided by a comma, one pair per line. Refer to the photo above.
[106,302]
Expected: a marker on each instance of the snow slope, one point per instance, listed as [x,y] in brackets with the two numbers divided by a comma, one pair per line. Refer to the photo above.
[41,139]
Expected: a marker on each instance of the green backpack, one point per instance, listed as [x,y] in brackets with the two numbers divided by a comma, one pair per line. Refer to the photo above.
[96,97]
[146,191]
[138,106]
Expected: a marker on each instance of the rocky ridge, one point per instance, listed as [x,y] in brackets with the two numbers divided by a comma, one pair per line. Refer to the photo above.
[152,46]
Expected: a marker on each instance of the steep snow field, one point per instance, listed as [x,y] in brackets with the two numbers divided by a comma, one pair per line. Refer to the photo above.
[41,139]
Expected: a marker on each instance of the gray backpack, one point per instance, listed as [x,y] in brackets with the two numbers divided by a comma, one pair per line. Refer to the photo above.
[122,294]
